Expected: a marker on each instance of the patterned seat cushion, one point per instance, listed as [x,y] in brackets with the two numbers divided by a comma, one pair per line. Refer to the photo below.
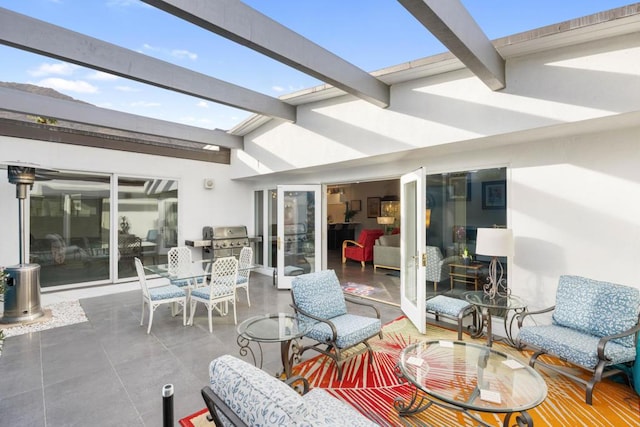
[256,397]
[260,399]
[205,291]
[165,292]
[446,305]
[597,308]
[574,346]
[319,294]
[352,329]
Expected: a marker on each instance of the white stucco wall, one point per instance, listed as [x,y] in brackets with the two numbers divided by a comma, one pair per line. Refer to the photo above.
[573,173]
[227,204]
[556,87]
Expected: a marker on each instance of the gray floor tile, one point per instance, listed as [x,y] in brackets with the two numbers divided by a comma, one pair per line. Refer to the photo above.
[109,371]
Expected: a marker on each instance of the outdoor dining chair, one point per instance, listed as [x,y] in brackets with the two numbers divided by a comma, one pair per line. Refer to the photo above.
[156,296]
[244,270]
[220,292]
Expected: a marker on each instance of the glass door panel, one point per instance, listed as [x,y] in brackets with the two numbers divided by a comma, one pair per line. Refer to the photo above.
[298,232]
[69,227]
[147,222]
[412,248]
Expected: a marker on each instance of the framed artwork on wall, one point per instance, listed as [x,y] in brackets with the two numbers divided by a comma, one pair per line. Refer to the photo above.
[356,205]
[458,188]
[373,207]
[494,195]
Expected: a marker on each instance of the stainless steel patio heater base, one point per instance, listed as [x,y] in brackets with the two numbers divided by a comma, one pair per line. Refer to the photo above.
[22,294]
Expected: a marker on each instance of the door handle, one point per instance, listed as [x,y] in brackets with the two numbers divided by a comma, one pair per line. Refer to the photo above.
[278,242]
[424,259]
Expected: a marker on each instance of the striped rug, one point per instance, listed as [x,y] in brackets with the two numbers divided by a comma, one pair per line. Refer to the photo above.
[372,388]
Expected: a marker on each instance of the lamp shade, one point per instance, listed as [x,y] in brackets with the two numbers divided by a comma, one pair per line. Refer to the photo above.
[386,220]
[494,242]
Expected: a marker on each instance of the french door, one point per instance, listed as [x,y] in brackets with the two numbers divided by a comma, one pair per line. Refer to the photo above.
[298,240]
[412,247]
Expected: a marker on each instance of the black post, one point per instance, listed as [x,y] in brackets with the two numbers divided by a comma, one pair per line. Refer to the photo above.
[167,405]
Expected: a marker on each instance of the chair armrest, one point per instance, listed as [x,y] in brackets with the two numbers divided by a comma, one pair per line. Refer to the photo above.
[604,340]
[334,331]
[359,302]
[353,242]
[524,314]
[213,402]
[295,379]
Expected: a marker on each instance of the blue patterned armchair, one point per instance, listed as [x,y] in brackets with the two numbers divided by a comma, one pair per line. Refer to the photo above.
[595,325]
[320,305]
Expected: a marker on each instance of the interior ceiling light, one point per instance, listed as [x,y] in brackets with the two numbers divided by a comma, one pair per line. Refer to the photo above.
[211,147]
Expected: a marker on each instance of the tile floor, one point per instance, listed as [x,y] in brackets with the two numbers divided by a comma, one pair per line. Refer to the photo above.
[109,372]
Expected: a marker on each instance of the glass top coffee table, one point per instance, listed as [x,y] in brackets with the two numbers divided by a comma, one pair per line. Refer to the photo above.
[271,328]
[468,378]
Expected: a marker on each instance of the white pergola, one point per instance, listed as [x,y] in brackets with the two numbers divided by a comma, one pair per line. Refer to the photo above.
[449,21]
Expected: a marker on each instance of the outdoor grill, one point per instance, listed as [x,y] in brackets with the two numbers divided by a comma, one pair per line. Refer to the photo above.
[220,242]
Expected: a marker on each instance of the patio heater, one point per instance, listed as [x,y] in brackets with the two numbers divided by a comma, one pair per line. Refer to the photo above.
[22,283]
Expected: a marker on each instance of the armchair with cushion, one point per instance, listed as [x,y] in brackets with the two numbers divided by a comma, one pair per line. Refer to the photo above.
[437,267]
[321,307]
[362,250]
[594,325]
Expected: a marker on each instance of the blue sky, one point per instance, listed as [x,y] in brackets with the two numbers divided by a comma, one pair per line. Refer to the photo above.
[371,34]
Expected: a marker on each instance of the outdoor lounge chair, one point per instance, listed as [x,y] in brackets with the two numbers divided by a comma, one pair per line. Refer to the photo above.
[320,305]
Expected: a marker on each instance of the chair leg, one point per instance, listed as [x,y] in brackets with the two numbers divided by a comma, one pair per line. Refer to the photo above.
[248,302]
[210,319]
[235,318]
[142,313]
[184,313]
[192,310]
[151,310]
[362,262]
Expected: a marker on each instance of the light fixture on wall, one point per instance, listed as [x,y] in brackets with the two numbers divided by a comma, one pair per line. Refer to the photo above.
[495,242]
[390,206]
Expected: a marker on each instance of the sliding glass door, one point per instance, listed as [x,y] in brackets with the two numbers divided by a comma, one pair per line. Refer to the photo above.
[78,236]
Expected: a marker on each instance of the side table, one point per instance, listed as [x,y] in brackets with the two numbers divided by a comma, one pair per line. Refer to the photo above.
[487,305]
[271,328]
[468,274]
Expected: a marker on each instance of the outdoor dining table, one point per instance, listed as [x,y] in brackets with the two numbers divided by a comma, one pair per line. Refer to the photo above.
[196,270]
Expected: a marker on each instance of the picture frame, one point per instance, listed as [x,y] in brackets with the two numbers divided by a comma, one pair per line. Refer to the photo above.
[494,194]
[356,205]
[373,207]
[459,188]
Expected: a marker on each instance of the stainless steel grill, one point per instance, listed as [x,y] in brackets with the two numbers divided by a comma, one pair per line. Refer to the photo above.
[220,242]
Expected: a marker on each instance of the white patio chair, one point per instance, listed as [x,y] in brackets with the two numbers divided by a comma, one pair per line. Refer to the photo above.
[156,296]
[244,262]
[179,263]
[220,292]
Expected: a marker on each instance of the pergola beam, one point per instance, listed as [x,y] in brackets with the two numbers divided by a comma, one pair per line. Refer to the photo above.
[244,25]
[38,105]
[26,33]
[450,22]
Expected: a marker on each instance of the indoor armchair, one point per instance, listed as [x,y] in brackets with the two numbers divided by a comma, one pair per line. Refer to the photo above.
[362,250]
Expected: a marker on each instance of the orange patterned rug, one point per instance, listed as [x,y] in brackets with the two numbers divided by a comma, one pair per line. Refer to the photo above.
[371,388]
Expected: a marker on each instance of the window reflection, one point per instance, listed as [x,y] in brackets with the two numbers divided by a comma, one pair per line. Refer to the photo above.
[147,222]
[69,228]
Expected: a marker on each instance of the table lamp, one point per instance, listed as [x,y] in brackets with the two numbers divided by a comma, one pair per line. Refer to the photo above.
[495,242]
[387,221]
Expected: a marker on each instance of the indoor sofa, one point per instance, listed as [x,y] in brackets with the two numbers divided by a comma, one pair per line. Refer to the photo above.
[386,252]
[239,394]
[595,325]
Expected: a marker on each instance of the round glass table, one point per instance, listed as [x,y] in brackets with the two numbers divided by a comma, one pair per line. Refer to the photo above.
[271,328]
[468,378]
[488,306]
